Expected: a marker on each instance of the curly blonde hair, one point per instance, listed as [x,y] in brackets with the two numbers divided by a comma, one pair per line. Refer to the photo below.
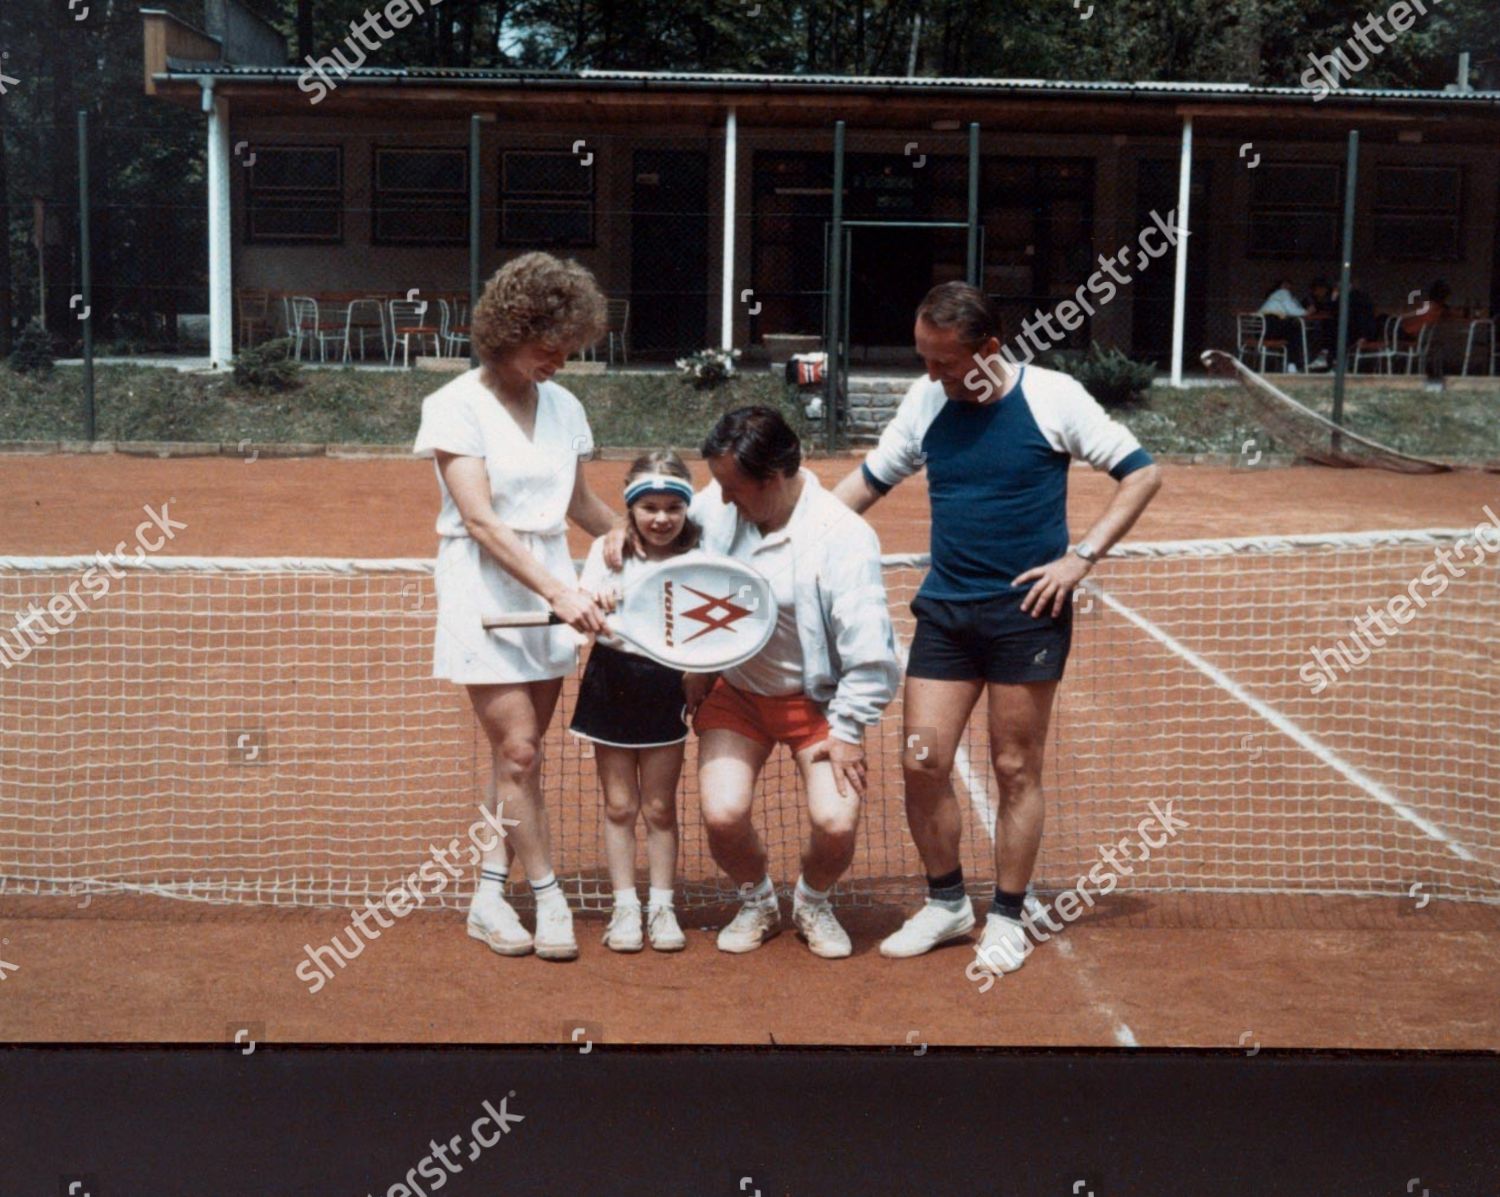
[537,299]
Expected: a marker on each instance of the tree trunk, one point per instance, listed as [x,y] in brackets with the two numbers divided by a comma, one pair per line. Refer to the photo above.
[305,47]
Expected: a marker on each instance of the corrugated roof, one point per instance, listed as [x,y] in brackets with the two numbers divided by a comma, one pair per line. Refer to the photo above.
[727,81]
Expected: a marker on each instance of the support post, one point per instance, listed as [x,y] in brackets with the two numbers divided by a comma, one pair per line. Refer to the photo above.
[475,223]
[220,286]
[1179,285]
[726,299]
[835,330]
[1345,263]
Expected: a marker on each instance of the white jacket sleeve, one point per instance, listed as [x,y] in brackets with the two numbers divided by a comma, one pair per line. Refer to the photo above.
[861,639]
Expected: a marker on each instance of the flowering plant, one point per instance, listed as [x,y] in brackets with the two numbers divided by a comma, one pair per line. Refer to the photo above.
[708,367]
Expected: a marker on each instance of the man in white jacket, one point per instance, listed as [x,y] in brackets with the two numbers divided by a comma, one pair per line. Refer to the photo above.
[827,673]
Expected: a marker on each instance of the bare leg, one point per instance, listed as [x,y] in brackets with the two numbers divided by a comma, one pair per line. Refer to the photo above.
[834,819]
[515,718]
[728,764]
[1019,716]
[622,806]
[936,715]
[661,770]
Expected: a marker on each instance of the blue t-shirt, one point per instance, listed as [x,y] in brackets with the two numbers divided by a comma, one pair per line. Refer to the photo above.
[997,475]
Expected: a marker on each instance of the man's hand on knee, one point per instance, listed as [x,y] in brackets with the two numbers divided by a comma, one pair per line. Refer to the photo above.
[848,761]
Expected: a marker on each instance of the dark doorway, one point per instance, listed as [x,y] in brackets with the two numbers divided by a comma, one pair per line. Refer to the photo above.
[1151,326]
[669,252]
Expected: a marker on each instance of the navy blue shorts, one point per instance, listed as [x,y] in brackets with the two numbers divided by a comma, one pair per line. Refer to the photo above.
[988,639]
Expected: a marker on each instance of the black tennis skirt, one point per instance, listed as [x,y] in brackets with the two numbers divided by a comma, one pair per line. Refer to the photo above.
[627,701]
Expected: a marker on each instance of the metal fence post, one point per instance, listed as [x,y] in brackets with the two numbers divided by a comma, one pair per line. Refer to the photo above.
[85,275]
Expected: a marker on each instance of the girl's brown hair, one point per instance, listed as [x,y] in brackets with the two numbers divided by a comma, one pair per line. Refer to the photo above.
[663,461]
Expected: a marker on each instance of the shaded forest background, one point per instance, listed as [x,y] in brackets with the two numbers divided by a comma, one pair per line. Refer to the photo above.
[146,156]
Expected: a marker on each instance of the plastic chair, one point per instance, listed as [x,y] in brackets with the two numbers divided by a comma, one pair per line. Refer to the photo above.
[1380,350]
[255,313]
[1250,337]
[362,329]
[301,321]
[617,328]
[408,320]
[455,325]
[1486,323]
[1413,352]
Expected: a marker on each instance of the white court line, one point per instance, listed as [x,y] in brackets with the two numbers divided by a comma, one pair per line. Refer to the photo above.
[1284,725]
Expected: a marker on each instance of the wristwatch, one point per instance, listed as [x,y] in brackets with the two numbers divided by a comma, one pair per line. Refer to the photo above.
[1087,552]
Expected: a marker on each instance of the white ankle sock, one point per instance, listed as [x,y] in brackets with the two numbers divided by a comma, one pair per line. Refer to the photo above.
[808,896]
[761,891]
[492,880]
[660,897]
[627,897]
[546,889]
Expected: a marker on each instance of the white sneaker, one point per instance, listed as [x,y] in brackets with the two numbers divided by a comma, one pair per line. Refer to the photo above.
[930,926]
[554,931]
[666,935]
[493,921]
[1004,945]
[755,923]
[817,924]
[624,932]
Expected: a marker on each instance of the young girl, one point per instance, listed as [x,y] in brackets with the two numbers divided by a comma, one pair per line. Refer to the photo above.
[632,709]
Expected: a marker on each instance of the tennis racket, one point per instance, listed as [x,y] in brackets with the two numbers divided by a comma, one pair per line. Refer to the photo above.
[698,612]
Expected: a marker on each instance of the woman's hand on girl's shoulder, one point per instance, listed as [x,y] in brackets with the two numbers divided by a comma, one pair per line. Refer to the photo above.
[614,547]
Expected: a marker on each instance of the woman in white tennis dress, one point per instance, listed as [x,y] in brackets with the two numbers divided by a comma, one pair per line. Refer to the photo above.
[507,444]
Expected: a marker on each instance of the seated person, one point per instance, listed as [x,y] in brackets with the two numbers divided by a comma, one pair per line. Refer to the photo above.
[1322,327]
[1281,310]
[1428,313]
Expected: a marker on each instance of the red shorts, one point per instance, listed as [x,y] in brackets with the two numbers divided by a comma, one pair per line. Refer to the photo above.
[795,720]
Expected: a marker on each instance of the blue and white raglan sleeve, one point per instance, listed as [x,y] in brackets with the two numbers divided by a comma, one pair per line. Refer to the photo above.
[1075,423]
[899,454]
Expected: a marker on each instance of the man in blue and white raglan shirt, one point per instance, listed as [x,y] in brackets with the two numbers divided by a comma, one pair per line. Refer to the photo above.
[994,614]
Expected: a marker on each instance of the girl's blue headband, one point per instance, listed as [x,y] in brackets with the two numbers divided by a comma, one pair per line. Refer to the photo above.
[658,484]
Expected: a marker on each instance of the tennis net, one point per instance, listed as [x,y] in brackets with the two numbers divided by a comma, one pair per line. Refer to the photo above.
[267,731]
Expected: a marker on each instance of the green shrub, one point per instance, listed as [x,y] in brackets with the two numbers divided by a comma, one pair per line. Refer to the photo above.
[1110,376]
[33,350]
[268,367]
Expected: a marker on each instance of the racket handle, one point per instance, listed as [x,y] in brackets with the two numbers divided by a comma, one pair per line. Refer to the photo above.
[529,619]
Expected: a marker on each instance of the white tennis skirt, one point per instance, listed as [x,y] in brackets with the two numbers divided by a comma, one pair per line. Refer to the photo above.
[471,584]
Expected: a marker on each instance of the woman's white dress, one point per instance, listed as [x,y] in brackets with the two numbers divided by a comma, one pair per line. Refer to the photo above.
[531,485]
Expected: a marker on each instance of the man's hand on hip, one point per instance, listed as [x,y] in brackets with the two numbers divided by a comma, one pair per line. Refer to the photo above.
[1053,583]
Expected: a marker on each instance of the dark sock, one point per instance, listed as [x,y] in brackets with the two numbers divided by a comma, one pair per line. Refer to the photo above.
[1009,905]
[947,888]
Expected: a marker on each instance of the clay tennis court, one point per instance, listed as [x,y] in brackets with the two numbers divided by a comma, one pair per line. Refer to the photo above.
[1280,916]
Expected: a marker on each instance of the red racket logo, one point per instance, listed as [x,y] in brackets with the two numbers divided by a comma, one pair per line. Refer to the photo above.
[732,613]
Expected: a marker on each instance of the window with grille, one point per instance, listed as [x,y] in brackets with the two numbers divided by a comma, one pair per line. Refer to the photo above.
[1295,210]
[546,198]
[294,194]
[1418,212]
[419,196]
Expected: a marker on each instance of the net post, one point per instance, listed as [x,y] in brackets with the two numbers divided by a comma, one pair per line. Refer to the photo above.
[833,334]
[1342,343]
